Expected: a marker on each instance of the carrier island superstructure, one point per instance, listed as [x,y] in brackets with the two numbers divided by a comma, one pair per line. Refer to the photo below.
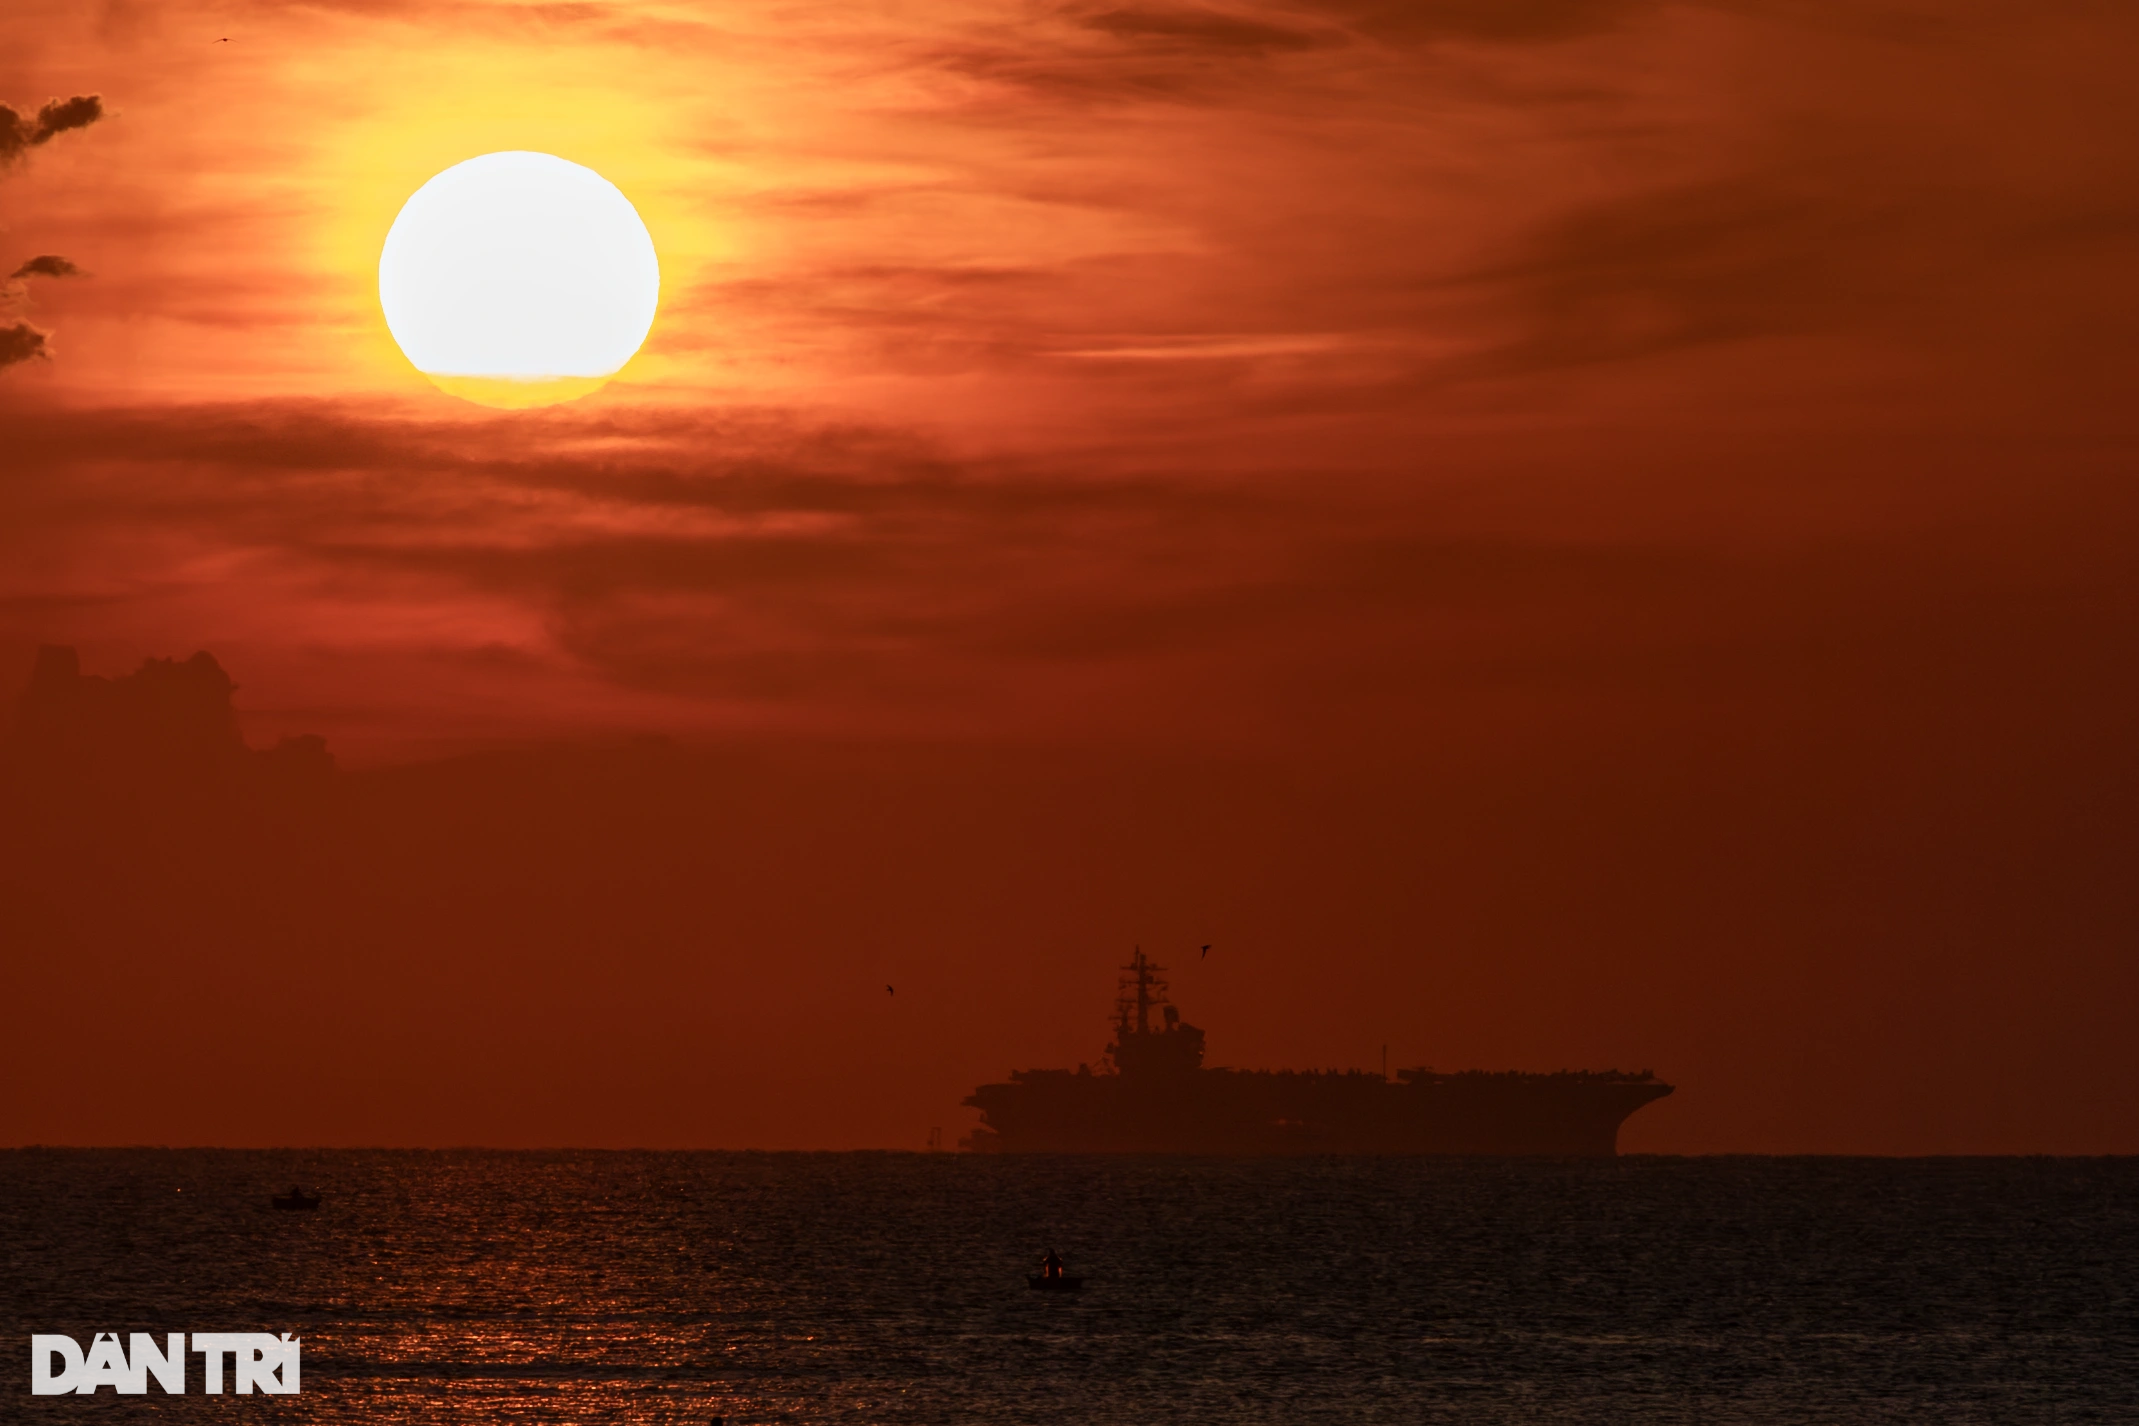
[1153,1094]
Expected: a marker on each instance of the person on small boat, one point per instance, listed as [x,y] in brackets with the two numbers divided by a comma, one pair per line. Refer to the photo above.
[1051,1266]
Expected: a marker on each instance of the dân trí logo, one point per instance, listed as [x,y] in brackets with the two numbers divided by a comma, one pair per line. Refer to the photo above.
[258,1360]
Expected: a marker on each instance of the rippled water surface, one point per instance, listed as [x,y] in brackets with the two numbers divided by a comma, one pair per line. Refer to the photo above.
[669,1288]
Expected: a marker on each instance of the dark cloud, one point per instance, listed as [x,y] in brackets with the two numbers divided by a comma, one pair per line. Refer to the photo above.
[1675,268]
[782,563]
[1199,28]
[1507,21]
[19,134]
[59,115]
[47,265]
[765,559]
[1256,31]
[20,342]
[1084,53]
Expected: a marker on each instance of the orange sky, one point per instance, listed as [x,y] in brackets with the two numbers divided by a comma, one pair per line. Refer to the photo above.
[1623,511]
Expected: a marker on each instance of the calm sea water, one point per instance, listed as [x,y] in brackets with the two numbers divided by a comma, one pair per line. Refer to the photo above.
[669,1288]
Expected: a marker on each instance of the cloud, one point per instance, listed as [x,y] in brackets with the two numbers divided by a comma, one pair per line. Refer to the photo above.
[18,135]
[1505,21]
[1196,28]
[1258,31]
[742,558]
[769,566]
[47,265]
[19,342]
[1679,267]
[1083,53]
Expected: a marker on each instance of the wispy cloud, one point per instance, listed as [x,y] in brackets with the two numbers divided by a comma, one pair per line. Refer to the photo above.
[1197,28]
[772,570]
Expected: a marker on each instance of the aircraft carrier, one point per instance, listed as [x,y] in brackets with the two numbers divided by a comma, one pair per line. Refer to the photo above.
[1154,1095]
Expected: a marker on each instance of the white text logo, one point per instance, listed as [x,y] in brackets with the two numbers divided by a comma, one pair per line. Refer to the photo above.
[258,1359]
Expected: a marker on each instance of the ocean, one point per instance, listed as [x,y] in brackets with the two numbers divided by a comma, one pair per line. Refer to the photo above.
[666,1288]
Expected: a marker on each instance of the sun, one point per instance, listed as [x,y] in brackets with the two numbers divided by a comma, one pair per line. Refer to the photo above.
[519,279]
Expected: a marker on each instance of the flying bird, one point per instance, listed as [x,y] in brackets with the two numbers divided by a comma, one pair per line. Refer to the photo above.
[1206,954]
[889,991]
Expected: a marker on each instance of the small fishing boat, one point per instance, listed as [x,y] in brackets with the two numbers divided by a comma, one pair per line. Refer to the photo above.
[296,1199]
[1050,1279]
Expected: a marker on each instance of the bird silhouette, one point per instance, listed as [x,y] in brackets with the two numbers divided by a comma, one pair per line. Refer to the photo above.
[223,41]
[889,991]
[1206,954]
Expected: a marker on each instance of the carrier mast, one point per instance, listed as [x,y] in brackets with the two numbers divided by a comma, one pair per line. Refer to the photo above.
[1140,990]
[1140,1047]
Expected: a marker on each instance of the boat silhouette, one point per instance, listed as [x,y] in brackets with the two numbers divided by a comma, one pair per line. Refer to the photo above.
[1050,1279]
[1154,1095]
[296,1199]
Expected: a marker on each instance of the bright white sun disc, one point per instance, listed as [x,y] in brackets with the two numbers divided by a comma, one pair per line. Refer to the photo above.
[519,271]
